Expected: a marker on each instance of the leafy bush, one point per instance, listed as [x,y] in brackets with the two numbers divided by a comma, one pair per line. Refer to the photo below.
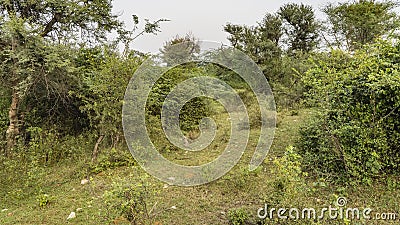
[43,199]
[242,178]
[46,147]
[105,74]
[357,132]
[288,176]
[131,199]
[193,111]
[287,86]
[4,107]
[113,158]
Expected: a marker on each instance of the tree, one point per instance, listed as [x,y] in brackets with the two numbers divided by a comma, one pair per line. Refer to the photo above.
[37,46]
[179,49]
[263,43]
[300,26]
[63,19]
[28,62]
[271,28]
[354,24]
[260,42]
[29,29]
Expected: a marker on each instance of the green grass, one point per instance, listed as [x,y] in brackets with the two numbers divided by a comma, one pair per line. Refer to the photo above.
[206,204]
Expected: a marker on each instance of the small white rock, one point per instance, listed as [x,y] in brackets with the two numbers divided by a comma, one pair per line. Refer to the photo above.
[84,181]
[173,207]
[4,210]
[79,209]
[166,186]
[71,216]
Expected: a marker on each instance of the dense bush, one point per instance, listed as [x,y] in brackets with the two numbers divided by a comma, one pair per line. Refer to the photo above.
[105,75]
[111,159]
[357,132]
[47,147]
[193,111]
[131,199]
[4,101]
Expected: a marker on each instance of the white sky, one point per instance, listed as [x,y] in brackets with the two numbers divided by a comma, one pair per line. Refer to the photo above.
[205,19]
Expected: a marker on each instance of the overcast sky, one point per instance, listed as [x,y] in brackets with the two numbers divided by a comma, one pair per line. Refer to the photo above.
[205,19]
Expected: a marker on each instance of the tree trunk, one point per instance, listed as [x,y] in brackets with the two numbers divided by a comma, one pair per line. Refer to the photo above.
[96,148]
[13,130]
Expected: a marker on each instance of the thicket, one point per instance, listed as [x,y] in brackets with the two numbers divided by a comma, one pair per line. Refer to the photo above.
[357,131]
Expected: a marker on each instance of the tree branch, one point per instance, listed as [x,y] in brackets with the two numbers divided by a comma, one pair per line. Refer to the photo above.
[50,25]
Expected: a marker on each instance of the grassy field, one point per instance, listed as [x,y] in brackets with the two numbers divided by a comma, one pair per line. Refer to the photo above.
[47,195]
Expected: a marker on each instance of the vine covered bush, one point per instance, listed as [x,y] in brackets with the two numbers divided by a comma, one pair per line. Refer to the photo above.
[357,130]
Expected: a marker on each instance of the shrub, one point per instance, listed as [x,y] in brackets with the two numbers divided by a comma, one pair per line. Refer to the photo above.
[131,199]
[288,176]
[357,132]
[43,199]
[105,75]
[47,147]
[4,107]
[193,111]
[112,158]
